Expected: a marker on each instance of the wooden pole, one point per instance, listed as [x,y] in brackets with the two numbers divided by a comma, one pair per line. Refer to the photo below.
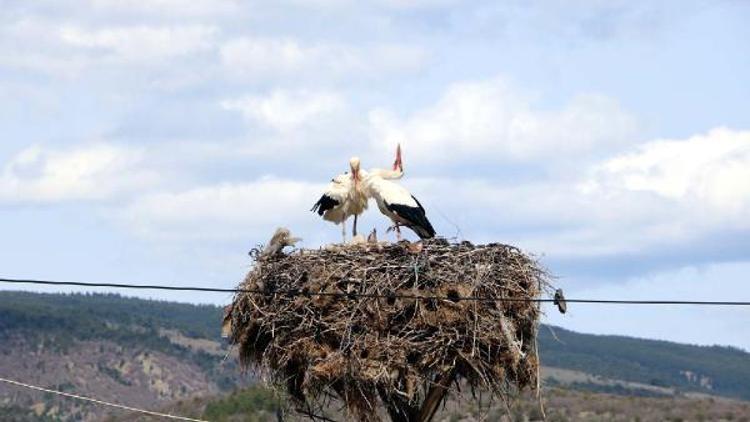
[400,410]
[435,396]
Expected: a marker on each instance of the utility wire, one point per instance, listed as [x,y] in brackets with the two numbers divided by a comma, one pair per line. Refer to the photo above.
[294,293]
[100,402]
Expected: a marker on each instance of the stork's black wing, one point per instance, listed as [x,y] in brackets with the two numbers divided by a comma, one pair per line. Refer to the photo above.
[324,204]
[416,217]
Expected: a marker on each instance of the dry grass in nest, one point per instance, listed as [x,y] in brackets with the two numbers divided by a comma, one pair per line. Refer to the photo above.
[376,348]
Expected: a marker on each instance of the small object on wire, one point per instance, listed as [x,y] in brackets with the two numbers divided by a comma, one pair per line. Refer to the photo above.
[560,301]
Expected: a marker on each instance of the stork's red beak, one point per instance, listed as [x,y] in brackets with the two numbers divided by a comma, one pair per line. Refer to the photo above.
[397,165]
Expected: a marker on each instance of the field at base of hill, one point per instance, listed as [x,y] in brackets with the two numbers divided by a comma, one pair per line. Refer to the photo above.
[261,405]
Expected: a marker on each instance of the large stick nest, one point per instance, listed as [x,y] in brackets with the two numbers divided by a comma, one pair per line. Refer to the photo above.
[365,344]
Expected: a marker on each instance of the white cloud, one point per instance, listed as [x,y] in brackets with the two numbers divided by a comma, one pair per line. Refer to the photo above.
[415,4]
[191,8]
[492,121]
[141,43]
[707,174]
[228,210]
[545,217]
[255,57]
[43,175]
[285,110]
[668,193]
[68,49]
[33,43]
[384,4]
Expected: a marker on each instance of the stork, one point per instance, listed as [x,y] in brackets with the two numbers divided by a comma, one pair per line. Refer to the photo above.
[394,201]
[398,204]
[343,198]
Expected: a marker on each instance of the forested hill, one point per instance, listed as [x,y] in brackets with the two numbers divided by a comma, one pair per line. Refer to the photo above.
[716,370]
[141,324]
[140,352]
[84,316]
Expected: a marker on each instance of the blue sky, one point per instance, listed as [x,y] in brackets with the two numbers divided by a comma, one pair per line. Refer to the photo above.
[156,142]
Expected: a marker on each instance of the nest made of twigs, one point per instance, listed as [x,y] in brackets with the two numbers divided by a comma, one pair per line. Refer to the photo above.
[379,324]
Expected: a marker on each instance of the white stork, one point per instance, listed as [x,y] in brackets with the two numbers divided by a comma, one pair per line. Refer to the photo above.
[395,201]
[343,198]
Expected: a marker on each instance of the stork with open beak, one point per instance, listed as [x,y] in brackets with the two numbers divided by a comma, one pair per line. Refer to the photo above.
[395,201]
[397,172]
[398,165]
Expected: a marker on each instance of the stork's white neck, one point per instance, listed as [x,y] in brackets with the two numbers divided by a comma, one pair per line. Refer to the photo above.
[387,174]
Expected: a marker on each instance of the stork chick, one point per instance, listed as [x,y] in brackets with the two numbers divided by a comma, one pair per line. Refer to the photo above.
[281,238]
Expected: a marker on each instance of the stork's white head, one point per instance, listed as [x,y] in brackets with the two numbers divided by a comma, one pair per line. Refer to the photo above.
[354,165]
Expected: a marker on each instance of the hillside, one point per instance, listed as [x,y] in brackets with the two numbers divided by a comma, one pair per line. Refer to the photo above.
[139,352]
[149,354]
[715,370]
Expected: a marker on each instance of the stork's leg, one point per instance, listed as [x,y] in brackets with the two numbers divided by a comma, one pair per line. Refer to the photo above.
[354,227]
[395,227]
[343,231]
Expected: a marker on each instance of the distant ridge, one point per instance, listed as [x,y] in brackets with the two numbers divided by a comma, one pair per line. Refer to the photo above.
[715,370]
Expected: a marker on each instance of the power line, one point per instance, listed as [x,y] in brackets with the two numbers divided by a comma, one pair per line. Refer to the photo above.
[294,293]
[123,286]
[100,402]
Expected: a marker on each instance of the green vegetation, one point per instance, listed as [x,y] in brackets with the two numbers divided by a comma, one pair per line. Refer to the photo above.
[19,414]
[112,373]
[615,389]
[91,315]
[255,404]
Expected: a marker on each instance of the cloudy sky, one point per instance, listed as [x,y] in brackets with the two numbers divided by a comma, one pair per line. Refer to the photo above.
[156,142]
